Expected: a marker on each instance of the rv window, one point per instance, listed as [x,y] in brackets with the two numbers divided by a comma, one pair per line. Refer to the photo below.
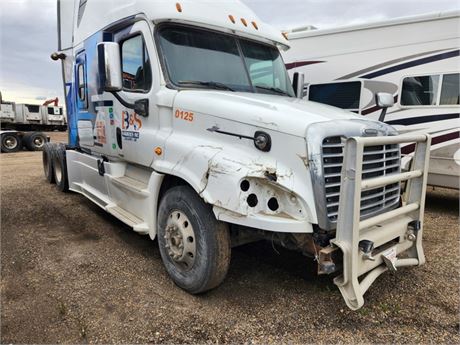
[341,95]
[450,93]
[420,90]
[137,74]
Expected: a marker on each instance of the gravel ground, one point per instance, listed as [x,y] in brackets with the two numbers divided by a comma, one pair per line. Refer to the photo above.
[70,273]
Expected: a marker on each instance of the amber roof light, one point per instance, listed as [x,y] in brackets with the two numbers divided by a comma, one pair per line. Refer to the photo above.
[232,19]
[178,7]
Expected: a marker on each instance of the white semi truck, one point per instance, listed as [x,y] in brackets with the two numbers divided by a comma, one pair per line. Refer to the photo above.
[184,125]
[21,124]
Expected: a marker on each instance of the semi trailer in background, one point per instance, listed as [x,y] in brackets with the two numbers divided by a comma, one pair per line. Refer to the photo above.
[184,125]
[416,59]
[21,124]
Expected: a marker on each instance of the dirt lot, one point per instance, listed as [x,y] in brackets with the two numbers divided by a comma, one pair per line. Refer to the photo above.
[72,273]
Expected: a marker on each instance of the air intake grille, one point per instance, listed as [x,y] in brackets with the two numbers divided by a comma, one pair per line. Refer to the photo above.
[377,161]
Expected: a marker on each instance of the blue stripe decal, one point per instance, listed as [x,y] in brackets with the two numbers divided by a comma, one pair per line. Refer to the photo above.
[423,119]
[412,64]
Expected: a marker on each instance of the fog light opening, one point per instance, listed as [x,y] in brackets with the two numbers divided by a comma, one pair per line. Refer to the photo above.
[273,204]
[244,185]
[252,200]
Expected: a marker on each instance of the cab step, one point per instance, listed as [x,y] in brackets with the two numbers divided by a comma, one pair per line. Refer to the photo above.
[131,184]
[128,218]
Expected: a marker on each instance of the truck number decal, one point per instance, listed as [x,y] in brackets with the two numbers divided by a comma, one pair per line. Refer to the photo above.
[184,115]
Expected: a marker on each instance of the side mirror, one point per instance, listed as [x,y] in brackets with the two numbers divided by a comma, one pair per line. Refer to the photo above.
[384,100]
[109,62]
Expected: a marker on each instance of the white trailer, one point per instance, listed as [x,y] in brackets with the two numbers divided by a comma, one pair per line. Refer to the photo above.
[21,124]
[183,124]
[416,59]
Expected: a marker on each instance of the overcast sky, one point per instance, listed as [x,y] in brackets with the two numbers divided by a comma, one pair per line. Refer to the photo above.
[28,34]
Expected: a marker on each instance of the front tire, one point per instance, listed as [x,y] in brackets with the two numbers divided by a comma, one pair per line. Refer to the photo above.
[194,245]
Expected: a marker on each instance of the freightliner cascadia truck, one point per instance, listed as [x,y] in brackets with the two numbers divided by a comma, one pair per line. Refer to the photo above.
[183,124]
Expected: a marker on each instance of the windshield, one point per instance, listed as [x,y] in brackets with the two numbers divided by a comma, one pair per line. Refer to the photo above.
[201,58]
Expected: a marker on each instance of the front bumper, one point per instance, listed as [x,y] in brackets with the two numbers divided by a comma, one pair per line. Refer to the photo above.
[372,246]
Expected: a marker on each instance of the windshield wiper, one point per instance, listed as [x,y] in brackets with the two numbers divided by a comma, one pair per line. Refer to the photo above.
[211,84]
[274,89]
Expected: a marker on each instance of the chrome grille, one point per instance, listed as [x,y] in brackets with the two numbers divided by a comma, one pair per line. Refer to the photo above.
[377,161]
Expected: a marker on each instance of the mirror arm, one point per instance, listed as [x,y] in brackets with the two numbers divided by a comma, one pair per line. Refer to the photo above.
[382,115]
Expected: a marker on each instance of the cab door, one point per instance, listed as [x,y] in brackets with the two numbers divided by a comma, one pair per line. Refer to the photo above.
[134,134]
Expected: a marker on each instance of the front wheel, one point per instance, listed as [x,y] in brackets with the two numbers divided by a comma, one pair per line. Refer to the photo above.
[194,246]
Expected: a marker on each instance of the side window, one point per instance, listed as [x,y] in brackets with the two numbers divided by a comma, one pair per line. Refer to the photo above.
[420,90]
[82,84]
[450,93]
[340,95]
[137,74]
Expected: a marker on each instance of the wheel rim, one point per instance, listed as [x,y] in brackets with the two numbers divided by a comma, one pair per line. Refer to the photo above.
[180,241]
[39,142]
[58,171]
[10,142]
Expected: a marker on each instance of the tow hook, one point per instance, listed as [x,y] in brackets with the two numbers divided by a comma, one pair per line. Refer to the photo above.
[366,248]
[413,228]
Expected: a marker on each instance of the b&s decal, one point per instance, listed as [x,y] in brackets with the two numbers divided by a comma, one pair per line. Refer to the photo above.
[131,121]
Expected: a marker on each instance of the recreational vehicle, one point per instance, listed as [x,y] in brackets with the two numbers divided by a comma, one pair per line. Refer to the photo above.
[416,59]
[184,125]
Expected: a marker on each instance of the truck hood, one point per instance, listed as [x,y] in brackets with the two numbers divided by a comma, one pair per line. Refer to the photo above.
[283,114]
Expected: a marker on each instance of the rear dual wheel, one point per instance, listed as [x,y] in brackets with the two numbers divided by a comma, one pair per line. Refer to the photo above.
[55,165]
[60,168]
[194,246]
[35,141]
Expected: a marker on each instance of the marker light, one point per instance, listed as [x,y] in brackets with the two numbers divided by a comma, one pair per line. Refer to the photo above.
[285,35]
[245,23]
[254,24]
[232,19]
[158,151]
[178,7]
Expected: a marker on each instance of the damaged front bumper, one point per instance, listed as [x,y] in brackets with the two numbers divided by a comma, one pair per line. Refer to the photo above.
[367,248]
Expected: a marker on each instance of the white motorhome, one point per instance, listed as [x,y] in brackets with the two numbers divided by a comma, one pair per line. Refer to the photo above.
[183,124]
[416,59]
